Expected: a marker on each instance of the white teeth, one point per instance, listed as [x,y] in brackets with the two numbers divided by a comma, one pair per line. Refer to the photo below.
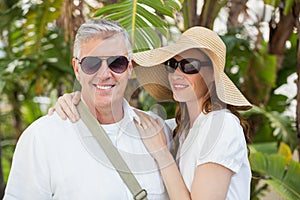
[179,86]
[102,87]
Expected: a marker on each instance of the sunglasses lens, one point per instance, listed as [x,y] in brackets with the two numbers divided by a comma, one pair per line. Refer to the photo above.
[190,66]
[187,66]
[171,65]
[90,65]
[118,64]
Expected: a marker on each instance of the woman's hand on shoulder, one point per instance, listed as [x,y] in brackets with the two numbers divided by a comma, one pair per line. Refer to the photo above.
[65,106]
[152,133]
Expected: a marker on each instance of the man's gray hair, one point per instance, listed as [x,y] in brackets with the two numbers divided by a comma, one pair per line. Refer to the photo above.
[100,28]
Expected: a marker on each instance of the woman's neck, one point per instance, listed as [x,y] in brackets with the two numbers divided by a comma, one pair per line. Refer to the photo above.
[194,109]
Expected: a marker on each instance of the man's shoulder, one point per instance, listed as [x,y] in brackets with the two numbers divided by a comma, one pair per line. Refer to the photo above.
[48,121]
[47,125]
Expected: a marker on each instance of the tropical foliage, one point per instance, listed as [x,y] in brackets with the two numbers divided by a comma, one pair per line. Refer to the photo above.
[35,53]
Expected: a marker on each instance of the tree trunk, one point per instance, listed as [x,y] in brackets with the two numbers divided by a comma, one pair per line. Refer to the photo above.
[210,11]
[236,7]
[189,11]
[280,33]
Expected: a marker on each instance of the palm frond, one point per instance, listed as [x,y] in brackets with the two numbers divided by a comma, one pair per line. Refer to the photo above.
[283,126]
[36,26]
[284,178]
[143,19]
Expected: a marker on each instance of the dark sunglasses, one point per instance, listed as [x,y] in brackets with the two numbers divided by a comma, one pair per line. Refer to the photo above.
[91,64]
[187,65]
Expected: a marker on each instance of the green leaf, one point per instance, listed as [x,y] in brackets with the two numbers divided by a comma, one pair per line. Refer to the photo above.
[274,3]
[118,15]
[283,178]
[265,67]
[163,7]
[264,147]
[237,56]
[117,7]
[143,19]
[152,19]
[148,34]
[283,127]
[36,26]
[288,6]
[278,102]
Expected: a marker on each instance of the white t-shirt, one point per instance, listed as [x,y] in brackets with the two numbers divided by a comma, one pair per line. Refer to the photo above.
[217,137]
[57,159]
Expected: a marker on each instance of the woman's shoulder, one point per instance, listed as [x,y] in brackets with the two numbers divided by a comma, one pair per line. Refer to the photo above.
[220,116]
[219,125]
[221,132]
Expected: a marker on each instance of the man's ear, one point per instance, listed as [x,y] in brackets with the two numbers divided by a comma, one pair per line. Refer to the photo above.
[75,65]
[130,68]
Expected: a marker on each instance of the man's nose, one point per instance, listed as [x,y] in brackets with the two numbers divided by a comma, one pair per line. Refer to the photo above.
[104,70]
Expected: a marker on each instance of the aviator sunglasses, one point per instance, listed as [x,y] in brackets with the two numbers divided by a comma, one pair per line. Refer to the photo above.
[187,65]
[91,64]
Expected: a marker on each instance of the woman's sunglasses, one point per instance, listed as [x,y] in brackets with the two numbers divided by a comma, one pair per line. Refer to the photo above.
[91,64]
[187,65]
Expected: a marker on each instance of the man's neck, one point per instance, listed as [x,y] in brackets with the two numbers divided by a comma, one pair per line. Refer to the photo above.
[110,115]
[107,114]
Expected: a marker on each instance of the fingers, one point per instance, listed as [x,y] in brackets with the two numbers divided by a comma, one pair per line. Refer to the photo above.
[145,130]
[65,107]
[145,119]
[51,111]
[151,132]
[148,126]
[75,100]
[143,116]
[76,97]
[58,108]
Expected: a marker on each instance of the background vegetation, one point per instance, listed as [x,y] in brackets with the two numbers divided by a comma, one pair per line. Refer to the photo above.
[262,39]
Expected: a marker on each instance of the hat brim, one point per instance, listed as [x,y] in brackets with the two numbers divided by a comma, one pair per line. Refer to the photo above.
[160,55]
[155,81]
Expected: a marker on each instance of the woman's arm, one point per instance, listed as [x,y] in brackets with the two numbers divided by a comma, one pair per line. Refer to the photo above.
[153,136]
[66,106]
[210,181]
[171,176]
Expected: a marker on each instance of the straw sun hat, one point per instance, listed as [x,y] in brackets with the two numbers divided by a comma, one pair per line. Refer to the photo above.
[152,75]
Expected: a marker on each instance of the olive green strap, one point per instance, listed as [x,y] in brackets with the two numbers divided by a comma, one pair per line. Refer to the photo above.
[111,152]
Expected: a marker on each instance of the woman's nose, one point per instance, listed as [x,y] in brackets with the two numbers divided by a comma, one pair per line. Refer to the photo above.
[177,74]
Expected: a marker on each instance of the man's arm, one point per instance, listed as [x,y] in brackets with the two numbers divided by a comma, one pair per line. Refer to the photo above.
[29,177]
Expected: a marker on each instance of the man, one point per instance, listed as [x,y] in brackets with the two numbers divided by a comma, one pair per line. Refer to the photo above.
[57,159]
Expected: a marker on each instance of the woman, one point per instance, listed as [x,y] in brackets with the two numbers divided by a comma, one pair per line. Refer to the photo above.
[212,155]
